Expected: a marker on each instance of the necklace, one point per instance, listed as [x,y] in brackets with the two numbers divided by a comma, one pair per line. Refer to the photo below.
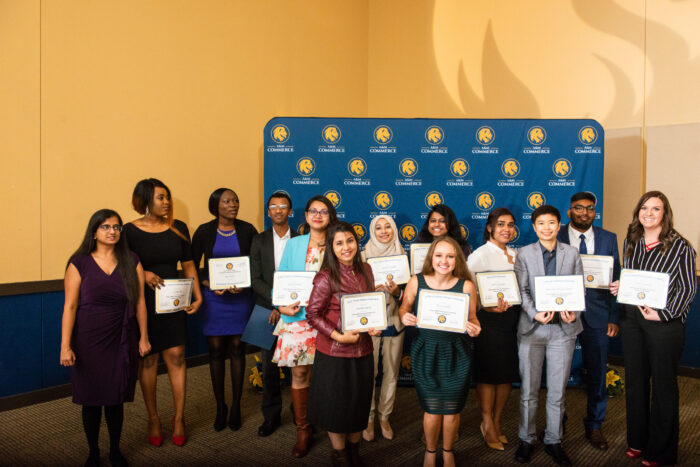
[223,233]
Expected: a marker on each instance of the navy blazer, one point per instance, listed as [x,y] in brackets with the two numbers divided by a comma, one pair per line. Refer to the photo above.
[601,306]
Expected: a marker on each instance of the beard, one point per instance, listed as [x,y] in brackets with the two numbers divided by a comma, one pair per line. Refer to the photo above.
[581,225]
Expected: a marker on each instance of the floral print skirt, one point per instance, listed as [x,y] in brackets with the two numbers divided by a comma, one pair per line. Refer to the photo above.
[296,344]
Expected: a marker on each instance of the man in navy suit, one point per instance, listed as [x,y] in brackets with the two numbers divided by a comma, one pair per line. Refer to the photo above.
[601,317]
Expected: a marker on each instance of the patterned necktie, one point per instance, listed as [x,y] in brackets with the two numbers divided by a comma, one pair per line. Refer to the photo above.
[582,246]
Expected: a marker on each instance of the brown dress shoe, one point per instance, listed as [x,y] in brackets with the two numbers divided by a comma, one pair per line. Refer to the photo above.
[596,438]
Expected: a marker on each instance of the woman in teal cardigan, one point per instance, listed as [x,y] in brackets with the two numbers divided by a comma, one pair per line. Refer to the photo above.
[296,344]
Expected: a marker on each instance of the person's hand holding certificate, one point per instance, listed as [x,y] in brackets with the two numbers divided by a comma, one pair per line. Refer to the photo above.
[559,293]
[173,295]
[597,271]
[418,253]
[643,288]
[290,287]
[390,268]
[498,285]
[226,273]
[363,311]
[443,311]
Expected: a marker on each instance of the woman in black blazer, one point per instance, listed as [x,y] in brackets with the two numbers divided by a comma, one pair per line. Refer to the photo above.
[225,312]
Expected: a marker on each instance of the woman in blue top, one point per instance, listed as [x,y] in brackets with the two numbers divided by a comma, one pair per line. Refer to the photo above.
[296,344]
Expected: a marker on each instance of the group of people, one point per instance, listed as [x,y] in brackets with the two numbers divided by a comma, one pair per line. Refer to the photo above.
[112,333]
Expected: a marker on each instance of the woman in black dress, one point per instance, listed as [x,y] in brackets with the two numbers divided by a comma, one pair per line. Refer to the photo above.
[443,221]
[161,242]
[104,313]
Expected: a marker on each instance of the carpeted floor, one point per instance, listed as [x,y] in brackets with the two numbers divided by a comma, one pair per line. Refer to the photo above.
[51,433]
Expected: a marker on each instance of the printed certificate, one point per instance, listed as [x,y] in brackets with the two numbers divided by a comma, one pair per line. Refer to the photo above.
[559,293]
[643,288]
[597,271]
[443,311]
[229,272]
[495,285]
[418,253]
[363,311]
[386,268]
[174,295]
[292,286]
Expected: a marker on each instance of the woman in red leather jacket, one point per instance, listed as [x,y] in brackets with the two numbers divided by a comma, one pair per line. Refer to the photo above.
[343,376]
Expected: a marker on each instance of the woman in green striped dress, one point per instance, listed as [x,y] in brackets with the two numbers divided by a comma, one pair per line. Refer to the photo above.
[441,360]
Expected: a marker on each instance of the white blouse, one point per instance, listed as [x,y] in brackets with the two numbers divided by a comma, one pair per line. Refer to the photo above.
[489,257]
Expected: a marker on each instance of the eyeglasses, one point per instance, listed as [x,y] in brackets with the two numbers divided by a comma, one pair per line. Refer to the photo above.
[107,227]
[278,206]
[578,208]
[322,212]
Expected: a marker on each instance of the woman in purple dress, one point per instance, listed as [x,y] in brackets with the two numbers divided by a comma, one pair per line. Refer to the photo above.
[104,313]
[225,312]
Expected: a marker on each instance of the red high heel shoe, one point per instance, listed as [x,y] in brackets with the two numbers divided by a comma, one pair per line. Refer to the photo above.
[647,463]
[156,441]
[633,453]
[178,440]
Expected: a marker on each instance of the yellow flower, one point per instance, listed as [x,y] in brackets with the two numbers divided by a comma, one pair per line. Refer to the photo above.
[611,378]
[255,377]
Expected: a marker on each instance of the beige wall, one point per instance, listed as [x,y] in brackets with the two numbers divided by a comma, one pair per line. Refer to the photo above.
[97,95]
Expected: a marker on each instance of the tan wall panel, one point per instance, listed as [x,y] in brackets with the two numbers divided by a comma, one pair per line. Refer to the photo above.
[181,91]
[20,234]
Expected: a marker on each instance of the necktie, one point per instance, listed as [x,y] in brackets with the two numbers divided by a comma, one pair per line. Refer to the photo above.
[582,246]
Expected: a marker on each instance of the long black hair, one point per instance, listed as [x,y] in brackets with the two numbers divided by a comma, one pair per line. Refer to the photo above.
[453,229]
[493,219]
[125,262]
[330,260]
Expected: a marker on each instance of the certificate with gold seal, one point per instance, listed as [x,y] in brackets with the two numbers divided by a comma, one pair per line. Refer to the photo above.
[390,268]
[174,295]
[560,293]
[643,288]
[418,253]
[597,271]
[498,284]
[229,272]
[292,286]
[443,311]
[363,311]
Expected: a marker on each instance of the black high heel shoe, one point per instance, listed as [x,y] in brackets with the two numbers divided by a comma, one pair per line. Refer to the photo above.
[220,421]
[234,419]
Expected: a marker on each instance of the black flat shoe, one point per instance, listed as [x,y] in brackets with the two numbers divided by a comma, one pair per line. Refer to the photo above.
[524,452]
[556,452]
[267,428]
[234,419]
[220,420]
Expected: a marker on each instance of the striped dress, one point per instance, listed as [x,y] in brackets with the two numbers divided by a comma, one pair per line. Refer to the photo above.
[441,364]
[679,262]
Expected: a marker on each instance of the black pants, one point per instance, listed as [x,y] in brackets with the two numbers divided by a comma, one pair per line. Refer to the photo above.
[652,352]
[272,394]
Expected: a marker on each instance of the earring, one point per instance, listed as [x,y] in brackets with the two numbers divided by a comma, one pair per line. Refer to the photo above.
[148,211]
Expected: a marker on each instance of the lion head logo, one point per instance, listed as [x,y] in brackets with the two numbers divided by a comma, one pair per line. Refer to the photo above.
[357,167]
[589,278]
[500,295]
[331,134]
[383,200]
[433,198]
[536,135]
[229,266]
[561,168]
[441,319]
[280,133]
[334,197]
[434,135]
[641,295]
[464,230]
[559,300]
[306,166]
[516,234]
[459,168]
[485,135]
[535,200]
[389,277]
[510,168]
[176,302]
[293,295]
[587,135]
[383,134]
[364,321]
[359,231]
[408,232]
[408,167]
[484,200]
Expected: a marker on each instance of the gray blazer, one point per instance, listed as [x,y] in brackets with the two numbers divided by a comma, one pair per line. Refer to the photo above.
[529,264]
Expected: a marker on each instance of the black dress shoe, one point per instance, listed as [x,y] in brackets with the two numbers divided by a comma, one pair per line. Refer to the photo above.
[234,418]
[596,438]
[220,420]
[524,452]
[268,427]
[557,454]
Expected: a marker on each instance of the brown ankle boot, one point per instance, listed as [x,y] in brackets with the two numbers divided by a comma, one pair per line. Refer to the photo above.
[299,399]
[354,454]
[339,458]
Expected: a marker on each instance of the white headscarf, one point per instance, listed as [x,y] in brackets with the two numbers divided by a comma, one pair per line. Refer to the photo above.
[376,248]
